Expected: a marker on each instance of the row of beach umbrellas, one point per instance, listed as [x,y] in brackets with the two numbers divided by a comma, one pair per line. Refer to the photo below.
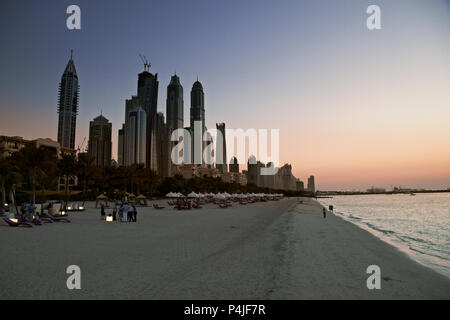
[222,195]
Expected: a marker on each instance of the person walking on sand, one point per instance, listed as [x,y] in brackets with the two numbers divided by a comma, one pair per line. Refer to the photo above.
[130,215]
[121,213]
[115,212]
[126,208]
[31,211]
[102,212]
[324,213]
[134,212]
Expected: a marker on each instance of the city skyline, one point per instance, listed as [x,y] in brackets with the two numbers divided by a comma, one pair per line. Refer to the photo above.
[383,126]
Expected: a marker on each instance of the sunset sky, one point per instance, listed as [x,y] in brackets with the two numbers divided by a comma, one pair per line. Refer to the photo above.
[356,108]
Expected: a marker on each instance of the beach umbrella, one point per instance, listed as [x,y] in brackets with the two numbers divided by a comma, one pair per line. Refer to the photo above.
[192,195]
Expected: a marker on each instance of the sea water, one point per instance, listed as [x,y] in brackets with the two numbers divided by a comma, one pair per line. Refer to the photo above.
[418,225]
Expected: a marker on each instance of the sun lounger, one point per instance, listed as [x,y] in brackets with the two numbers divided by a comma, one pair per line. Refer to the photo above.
[57,219]
[47,220]
[14,223]
[156,206]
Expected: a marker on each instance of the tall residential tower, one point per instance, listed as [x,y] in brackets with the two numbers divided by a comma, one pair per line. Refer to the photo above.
[197,104]
[68,106]
[174,104]
[99,145]
[148,101]
[221,148]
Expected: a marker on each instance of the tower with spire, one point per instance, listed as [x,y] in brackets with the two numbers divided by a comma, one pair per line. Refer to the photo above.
[197,104]
[68,105]
[174,103]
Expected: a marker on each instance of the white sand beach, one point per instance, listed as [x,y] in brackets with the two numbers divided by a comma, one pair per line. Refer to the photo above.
[266,250]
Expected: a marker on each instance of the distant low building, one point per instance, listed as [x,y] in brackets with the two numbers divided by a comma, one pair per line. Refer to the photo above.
[300,186]
[376,190]
[10,145]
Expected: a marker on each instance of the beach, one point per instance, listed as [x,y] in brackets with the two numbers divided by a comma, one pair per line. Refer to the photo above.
[266,250]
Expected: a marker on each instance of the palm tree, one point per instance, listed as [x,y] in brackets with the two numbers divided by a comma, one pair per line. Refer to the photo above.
[133,175]
[85,170]
[5,169]
[33,160]
[153,180]
[67,168]
[14,179]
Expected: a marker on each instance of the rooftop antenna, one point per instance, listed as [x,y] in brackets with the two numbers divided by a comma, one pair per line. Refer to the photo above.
[147,65]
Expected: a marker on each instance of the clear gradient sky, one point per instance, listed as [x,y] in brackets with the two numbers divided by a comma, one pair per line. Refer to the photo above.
[354,107]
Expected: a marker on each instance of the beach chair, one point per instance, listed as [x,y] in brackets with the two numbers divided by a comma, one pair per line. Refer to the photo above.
[17,222]
[157,206]
[196,206]
[46,220]
[56,219]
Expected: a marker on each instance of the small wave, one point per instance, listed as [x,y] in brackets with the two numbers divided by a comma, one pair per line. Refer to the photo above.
[431,253]
[379,229]
[354,217]
[417,250]
[418,240]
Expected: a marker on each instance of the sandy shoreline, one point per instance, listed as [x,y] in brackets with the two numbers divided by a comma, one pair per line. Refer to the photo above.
[272,250]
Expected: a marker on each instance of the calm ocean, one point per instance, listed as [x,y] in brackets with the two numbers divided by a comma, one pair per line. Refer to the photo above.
[418,225]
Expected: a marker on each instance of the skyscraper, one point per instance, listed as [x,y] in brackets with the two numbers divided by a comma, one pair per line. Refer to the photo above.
[121,147]
[130,104]
[175,120]
[148,100]
[99,145]
[252,170]
[311,184]
[174,104]
[234,166]
[68,106]
[136,136]
[197,114]
[197,104]
[221,148]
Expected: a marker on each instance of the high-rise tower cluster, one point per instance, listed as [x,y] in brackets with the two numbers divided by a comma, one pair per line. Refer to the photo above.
[142,119]
[146,137]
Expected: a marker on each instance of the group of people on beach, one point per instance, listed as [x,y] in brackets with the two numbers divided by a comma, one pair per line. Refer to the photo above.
[125,212]
[330,207]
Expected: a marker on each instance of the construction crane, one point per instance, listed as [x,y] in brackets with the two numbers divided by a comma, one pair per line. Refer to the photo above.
[147,65]
[81,146]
